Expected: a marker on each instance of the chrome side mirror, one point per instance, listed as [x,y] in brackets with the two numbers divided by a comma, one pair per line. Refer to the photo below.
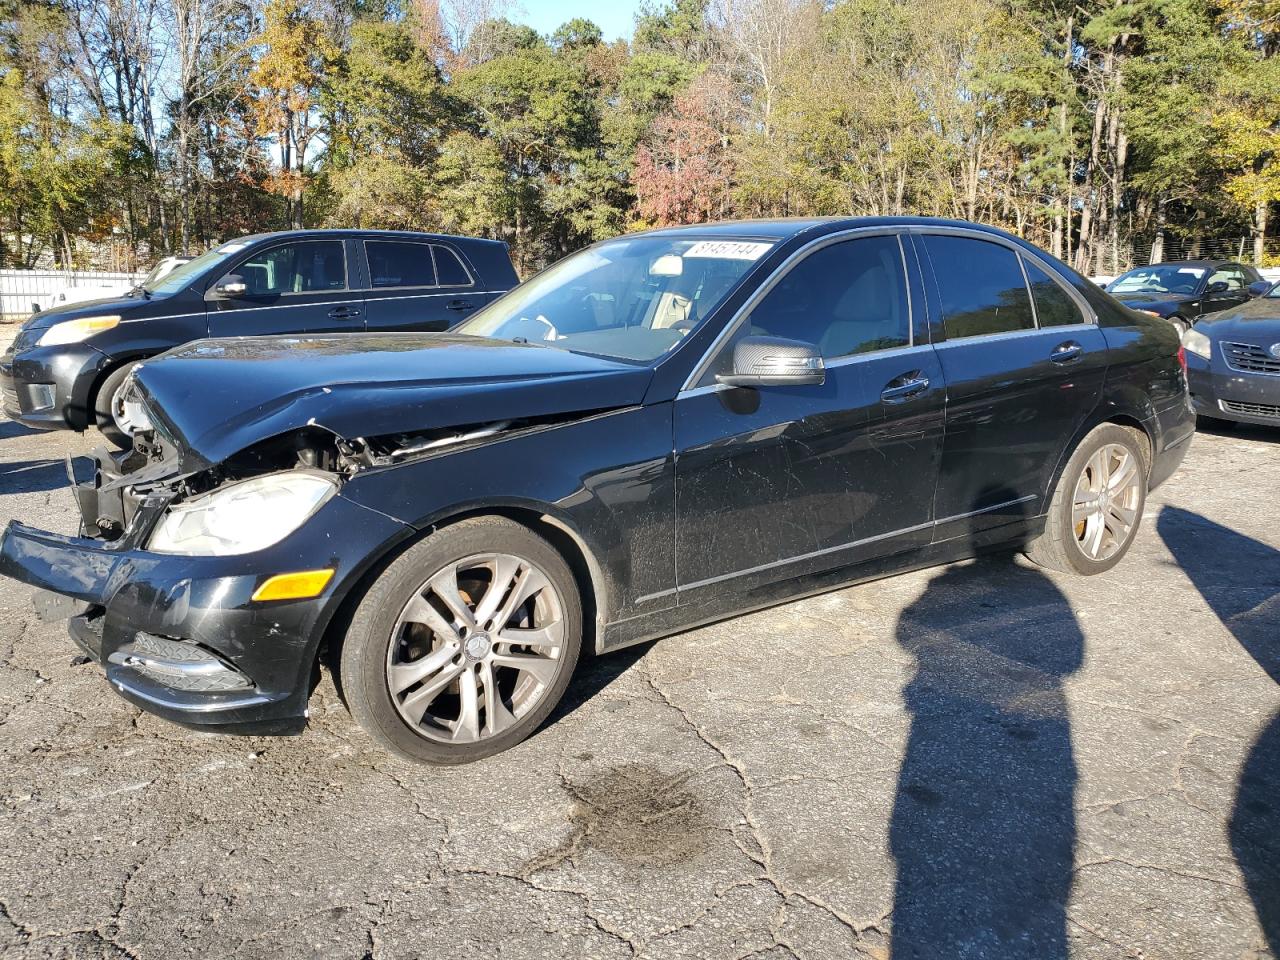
[774,362]
[230,286]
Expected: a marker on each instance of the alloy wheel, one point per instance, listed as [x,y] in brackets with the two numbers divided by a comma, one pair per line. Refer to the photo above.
[1107,497]
[476,648]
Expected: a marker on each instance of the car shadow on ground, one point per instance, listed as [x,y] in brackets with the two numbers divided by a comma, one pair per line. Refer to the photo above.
[1238,431]
[11,428]
[1211,555]
[983,828]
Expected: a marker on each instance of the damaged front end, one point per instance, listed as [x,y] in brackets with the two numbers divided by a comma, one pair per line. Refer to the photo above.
[203,594]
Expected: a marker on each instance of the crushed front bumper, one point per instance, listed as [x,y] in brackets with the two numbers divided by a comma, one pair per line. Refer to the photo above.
[180,636]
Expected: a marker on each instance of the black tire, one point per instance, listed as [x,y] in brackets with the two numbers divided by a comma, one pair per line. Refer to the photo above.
[1059,546]
[363,664]
[104,419]
[1179,324]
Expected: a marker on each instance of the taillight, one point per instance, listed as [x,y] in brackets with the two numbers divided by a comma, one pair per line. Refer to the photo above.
[1182,358]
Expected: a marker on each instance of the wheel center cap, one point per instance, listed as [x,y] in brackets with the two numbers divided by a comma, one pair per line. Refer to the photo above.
[477,646]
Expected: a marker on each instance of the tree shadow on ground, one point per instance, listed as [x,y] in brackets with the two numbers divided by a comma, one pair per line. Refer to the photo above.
[983,827]
[1213,556]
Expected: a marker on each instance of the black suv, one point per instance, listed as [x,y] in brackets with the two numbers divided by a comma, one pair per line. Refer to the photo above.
[67,367]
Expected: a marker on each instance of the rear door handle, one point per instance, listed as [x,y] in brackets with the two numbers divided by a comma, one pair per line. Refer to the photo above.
[904,388]
[1066,352]
[344,313]
[459,305]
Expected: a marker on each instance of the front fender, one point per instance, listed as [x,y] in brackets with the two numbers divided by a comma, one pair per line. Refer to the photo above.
[608,480]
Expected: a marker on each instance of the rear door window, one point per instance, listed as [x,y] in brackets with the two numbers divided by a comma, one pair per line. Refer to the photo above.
[1054,306]
[450,269]
[400,264]
[981,287]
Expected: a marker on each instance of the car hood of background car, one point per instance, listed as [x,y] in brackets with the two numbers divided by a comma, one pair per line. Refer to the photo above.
[1155,302]
[218,397]
[85,308]
[1256,318]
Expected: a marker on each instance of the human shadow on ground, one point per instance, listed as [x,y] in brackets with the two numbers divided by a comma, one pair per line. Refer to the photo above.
[1214,557]
[983,827]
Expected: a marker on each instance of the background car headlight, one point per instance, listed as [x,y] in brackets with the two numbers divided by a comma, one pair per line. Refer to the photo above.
[243,517]
[1196,342]
[73,331]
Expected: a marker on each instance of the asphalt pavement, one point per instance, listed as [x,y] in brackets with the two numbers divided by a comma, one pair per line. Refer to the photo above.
[982,760]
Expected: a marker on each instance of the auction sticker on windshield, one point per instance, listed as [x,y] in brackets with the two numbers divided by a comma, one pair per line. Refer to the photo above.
[728,250]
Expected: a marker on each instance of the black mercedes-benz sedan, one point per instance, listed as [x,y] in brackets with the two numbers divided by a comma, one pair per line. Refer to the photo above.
[67,367]
[662,430]
[1233,363]
[1184,291]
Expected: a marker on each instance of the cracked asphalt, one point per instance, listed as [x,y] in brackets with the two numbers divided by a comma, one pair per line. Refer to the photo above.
[982,760]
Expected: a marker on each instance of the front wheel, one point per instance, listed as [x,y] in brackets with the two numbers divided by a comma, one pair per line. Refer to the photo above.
[1179,324]
[1097,506]
[109,411]
[465,644]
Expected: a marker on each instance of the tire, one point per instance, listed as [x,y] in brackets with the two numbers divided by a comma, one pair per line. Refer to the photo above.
[1067,543]
[104,415]
[403,627]
[1179,324]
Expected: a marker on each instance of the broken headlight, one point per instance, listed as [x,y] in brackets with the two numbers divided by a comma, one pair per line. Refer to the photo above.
[242,517]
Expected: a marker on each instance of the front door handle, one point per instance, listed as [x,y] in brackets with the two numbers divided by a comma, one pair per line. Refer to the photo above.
[904,388]
[344,313]
[459,305]
[1066,352]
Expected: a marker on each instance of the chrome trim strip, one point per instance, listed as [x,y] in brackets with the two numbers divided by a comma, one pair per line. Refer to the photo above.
[167,316]
[836,549]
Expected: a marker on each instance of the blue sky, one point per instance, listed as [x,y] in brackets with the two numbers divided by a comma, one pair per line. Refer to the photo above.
[615,17]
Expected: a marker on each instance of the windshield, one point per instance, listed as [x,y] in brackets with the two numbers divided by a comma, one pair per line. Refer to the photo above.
[1168,278]
[1273,292]
[183,275]
[629,299]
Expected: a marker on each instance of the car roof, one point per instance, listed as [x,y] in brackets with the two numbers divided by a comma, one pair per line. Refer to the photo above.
[344,232]
[1191,263]
[784,228]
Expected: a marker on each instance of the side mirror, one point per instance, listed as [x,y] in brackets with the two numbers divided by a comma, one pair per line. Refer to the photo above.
[1218,286]
[1259,288]
[774,362]
[230,286]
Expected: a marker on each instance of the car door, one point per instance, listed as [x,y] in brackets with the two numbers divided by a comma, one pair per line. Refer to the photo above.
[1024,363]
[417,285]
[1228,287]
[774,482]
[291,286]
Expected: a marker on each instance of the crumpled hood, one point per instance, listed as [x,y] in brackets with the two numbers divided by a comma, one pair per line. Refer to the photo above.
[217,397]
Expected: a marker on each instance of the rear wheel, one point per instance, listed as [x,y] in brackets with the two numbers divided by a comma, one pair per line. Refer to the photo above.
[109,410]
[465,644]
[1097,505]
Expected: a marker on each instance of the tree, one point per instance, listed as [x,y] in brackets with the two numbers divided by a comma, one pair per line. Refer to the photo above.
[287,78]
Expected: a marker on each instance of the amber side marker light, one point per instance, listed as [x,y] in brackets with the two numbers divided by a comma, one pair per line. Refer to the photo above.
[294,586]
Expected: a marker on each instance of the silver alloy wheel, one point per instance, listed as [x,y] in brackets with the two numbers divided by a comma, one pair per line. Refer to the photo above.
[476,648]
[124,413]
[1104,509]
